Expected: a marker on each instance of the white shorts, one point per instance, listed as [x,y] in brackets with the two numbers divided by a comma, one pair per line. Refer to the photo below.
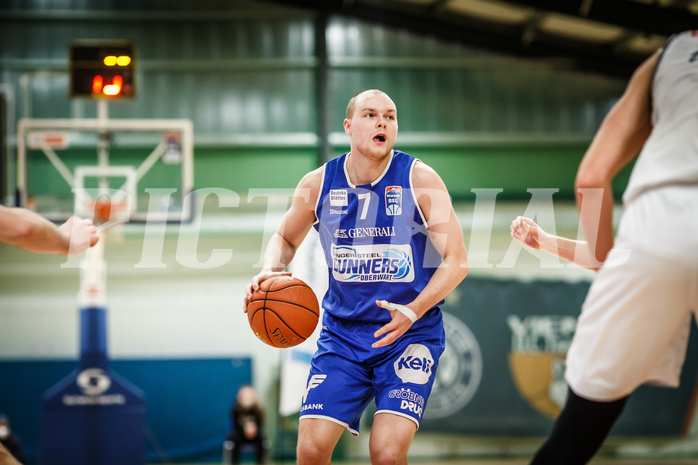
[636,319]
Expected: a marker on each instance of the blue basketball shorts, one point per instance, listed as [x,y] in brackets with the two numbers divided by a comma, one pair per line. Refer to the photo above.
[346,373]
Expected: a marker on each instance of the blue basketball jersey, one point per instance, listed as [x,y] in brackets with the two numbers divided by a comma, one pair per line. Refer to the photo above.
[375,241]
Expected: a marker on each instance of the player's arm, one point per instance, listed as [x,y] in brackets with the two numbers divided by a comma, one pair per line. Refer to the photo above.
[31,231]
[621,136]
[294,227]
[446,235]
[528,233]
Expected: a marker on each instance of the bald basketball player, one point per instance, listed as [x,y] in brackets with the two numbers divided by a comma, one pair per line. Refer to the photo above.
[394,249]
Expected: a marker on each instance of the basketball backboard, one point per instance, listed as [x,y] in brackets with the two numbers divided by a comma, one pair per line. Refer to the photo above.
[143,166]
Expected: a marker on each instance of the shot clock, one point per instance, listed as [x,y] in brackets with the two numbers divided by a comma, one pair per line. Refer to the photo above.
[102,69]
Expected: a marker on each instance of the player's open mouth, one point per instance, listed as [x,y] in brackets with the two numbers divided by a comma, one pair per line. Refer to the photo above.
[379,138]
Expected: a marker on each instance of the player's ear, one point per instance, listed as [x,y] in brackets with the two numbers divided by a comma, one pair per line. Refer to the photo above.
[347,126]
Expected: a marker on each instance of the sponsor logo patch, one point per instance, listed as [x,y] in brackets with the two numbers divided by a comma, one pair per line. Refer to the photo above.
[410,401]
[387,231]
[375,262]
[412,407]
[314,382]
[393,200]
[312,407]
[414,365]
[339,198]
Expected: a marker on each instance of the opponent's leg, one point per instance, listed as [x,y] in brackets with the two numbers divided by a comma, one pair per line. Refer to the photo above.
[391,436]
[316,441]
[579,431]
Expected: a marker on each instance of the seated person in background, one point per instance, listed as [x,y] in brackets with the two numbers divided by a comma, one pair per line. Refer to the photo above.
[247,419]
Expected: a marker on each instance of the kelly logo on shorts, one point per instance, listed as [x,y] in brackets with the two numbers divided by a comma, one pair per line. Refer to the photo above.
[414,365]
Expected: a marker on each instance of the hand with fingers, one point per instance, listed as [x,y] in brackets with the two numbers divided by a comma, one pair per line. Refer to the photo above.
[527,232]
[256,280]
[81,234]
[402,319]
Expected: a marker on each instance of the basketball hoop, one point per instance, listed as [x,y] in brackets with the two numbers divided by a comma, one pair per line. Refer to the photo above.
[102,209]
[109,216]
[106,211]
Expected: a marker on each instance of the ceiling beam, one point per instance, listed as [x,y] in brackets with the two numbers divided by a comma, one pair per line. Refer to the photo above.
[647,18]
[435,20]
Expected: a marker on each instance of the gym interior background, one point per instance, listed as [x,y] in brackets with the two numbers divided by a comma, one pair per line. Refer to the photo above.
[266,85]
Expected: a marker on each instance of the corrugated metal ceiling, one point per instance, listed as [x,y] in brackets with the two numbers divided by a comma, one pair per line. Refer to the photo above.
[608,36]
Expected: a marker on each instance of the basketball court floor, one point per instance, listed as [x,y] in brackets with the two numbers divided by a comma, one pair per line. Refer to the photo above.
[496,461]
[523,461]
[439,449]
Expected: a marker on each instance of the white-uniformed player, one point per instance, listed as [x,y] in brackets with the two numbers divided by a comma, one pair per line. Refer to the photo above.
[394,250]
[635,322]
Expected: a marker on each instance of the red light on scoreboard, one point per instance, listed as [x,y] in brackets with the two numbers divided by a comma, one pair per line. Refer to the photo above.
[102,69]
[97,84]
[110,89]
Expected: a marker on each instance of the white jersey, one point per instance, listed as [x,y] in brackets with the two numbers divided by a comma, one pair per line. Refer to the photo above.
[636,319]
[670,155]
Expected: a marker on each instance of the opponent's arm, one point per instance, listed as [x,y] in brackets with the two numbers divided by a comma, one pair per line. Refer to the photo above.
[31,231]
[293,228]
[621,136]
[528,233]
[446,235]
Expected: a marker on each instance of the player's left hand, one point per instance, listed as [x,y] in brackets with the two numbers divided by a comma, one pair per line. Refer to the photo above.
[398,326]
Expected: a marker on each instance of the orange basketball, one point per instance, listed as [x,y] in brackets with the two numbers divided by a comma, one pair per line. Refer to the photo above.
[283,312]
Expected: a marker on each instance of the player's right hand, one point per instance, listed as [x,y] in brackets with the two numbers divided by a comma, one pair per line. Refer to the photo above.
[254,284]
[401,321]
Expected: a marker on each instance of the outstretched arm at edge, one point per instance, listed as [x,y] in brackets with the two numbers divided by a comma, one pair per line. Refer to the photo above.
[30,231]
[528,233]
